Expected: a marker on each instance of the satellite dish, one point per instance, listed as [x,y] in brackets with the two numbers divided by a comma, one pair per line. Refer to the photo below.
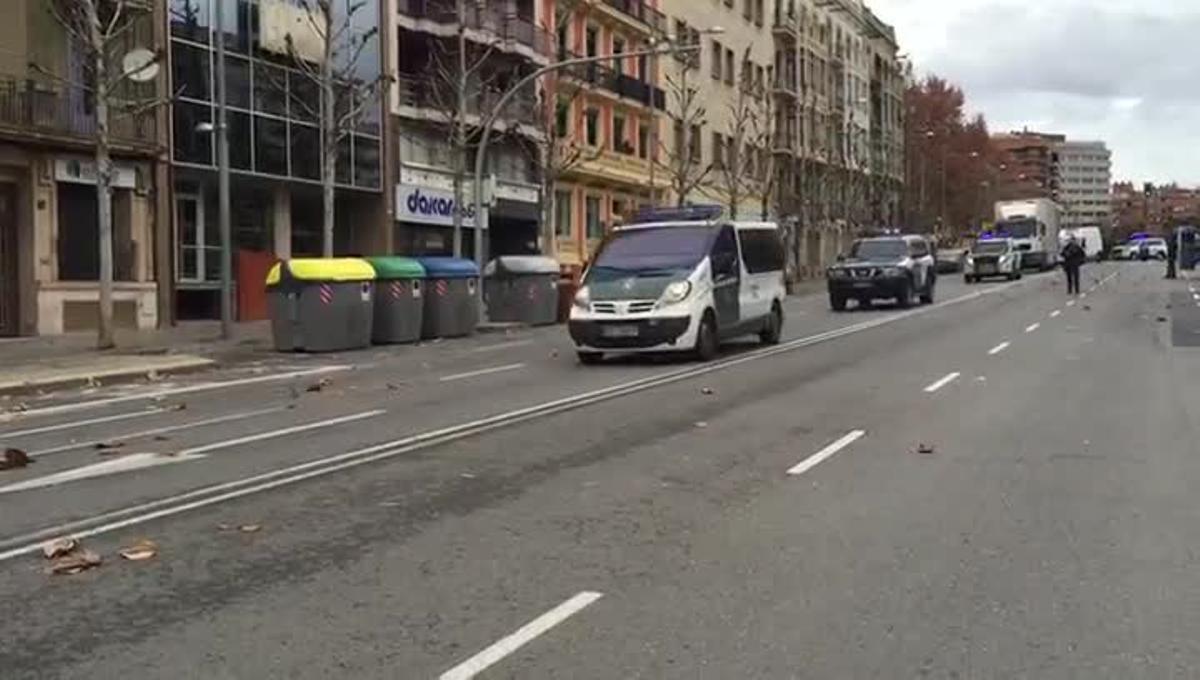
[140,65]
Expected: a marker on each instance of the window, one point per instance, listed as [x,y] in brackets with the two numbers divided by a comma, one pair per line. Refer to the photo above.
[718,150]
[239,140]
[595,230]
[562,214]
[724,254]
[593,127]
[716,60]
[192,146]
[759,12]
[729,73]
[562,119]
[643,141]
[270,146]
[592,41]
[619,143]
[563,42]
[237,82]
[190,69]
[918,248]
[748,10]
[762,250]
[618,47]
[684,34]
[749,160]
[697,155]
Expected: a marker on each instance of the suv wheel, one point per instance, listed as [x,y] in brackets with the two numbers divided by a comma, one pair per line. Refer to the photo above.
[707,344]
[773,328]
[905,299]
[589,358]
[927,296]
[837,302]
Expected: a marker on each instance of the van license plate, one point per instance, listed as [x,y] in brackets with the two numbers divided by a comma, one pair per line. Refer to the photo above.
[619,331]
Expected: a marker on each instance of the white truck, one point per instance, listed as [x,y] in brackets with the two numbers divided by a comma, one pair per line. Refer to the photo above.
[1033,225]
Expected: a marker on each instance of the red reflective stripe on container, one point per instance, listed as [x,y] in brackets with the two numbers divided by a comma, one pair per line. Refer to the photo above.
[441,287]
[326,294]
[397,288]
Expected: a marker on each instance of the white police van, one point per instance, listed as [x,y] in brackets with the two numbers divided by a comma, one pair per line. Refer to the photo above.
[680,279]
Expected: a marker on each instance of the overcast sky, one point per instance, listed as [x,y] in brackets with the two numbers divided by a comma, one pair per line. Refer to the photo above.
[1122,71]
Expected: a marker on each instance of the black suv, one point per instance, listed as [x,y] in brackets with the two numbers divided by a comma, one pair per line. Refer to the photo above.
[901,268]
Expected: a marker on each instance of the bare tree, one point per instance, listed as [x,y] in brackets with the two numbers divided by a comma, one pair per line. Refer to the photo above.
[104,32]
[684,164]
[326,49]
[737,173]
[764,133]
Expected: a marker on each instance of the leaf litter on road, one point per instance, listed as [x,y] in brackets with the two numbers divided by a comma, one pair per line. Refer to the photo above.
[59,546]
[319,385]
[108,447]
[67,556]
[13,459]
[141,550]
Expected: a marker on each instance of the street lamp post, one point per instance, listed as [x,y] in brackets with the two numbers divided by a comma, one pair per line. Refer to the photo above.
[222,138]
[481,217]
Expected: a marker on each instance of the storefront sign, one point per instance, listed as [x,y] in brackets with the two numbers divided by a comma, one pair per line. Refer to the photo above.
[424,205]
[83,171]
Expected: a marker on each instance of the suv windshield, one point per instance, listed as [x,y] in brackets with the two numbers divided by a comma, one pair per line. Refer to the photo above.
[879,249]
[990,248]
[656,251]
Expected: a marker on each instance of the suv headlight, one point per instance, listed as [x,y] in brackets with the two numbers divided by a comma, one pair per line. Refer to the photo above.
[676,291]
[583,298]
[969,261]
[836,273]
[892,271]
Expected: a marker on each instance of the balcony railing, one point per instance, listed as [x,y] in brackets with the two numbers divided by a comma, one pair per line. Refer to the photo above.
[608,78]
[423,93]
[638,9]
[504,24]
[37,107]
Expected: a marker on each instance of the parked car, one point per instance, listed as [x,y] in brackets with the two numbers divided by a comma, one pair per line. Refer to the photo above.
[901,268]
[950,260]
[1153,249]
[680,280]
[992,257]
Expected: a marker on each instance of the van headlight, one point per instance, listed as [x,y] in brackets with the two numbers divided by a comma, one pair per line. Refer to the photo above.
[583,298]
[676,291]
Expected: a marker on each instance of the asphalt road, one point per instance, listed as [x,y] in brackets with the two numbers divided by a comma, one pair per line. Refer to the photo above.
[999,485]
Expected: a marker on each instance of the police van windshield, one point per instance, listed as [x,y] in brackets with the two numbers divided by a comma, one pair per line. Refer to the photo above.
[990,247]
[651,252]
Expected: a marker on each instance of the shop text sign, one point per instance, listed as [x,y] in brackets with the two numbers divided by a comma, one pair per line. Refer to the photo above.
[430,206]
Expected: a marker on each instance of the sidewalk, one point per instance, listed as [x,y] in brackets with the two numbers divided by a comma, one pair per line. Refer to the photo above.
[30,364]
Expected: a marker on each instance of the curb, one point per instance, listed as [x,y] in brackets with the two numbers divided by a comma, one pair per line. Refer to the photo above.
[79,378]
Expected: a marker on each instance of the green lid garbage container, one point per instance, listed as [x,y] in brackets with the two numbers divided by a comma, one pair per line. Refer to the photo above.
[451,297]
[522,289]
[399,306]
[321,305]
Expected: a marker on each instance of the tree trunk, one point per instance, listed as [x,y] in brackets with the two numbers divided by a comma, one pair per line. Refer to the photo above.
[549,208]
[104,327]
[330,134]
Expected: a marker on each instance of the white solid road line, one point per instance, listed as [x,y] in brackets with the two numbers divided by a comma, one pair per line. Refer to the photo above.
[816,459]
[176,391]
[158,430]
[943,382]
[115,520]
[83,423]
[139,461]
[1033,327]
[1055,313]
[999,348]
[129,463]
[523,636]
[484,371]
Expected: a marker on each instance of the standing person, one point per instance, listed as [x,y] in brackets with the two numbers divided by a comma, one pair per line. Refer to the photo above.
[1172,253]
[1073,256]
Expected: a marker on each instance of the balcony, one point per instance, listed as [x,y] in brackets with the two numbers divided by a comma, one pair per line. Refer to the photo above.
[639,10]
[421,92]
[33,108]
[508,26]
[607,78]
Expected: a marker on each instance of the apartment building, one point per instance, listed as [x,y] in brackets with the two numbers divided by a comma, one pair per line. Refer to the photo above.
[1152,208]
[1085,173]
[500,41]
[609,116]
[1029,166]
[275,157]
[719,132]
[49,244]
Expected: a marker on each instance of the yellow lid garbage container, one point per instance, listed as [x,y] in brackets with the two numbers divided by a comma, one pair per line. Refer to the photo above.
[321,305]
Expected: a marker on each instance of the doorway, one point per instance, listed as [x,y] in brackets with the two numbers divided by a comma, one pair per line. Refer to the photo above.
[10,298]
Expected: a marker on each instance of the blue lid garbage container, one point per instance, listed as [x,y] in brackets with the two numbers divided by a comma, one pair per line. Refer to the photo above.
[399,303]
[321,305]
[522,289]
[451,297]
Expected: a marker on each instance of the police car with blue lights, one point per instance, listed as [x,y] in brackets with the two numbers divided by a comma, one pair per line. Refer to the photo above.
[992,255]
[680,280]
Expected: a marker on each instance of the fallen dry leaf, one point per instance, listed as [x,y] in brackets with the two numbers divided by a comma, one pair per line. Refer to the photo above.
[144,549]
[706,390]
[153,376]
[75,562]
[177,407]
[161,438]
[319,385]
[59,547]
[224,527]
[924,448]
[108,446]
[250,528]
[13,459]
[701,424]
[92,382]
[1161,319]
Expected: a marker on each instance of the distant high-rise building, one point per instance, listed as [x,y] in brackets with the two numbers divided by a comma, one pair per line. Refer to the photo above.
[1085,174]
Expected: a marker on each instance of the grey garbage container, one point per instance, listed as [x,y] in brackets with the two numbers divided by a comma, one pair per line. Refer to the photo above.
[451,297]
[521,289]
[321,305]
[399,307]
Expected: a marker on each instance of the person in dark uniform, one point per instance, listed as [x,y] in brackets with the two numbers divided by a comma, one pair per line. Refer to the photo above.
[1073,257]
[1172,253]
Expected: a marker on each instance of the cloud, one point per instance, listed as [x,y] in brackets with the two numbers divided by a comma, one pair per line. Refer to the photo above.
[1118,70]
